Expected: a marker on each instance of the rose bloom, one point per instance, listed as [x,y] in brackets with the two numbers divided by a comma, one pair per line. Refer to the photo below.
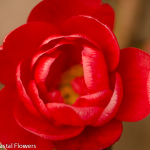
[35,59]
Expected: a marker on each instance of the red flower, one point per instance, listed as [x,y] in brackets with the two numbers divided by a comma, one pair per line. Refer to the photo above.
[114,87]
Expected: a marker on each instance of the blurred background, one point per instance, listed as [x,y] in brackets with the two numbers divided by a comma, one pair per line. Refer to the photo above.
[132,28]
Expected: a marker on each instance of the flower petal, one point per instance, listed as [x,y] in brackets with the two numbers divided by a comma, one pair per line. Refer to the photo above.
[25,40]
[94,138]
[44,128]
[134,68]
[72,45]
[46,72]
[74,116]
[22,90]
[106,15]
[7,70]
[113,106]
[95,70]
[8,124]
[55,96]
[37,101]
[78,85]
[98,32]
[43,67]
[99,99]
[56,12]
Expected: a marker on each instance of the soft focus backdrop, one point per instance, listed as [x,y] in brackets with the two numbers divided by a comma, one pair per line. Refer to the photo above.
[132,28]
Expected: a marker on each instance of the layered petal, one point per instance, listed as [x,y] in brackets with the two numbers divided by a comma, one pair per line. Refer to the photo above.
[44,128]
[25,40]
[74,116]
[45,72]
[7,70]
[55,96]
[37,101]
[56,12]
[99,33]
[72,45]
[106,15]
[78,85]
[42,68]
[113,105]
[95,70]
[94,138]
[134,69]
[8,124]
[22,90]
[99,99]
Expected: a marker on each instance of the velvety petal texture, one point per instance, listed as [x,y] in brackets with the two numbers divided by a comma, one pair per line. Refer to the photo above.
[100,99]
[95,138]
[76,116]
[43,128]
[9,124]
[95,70]
[25,40]
[99,33]
[56,12]
[67,84]
[134,67]
[78,85]
[113,106]
[6,68]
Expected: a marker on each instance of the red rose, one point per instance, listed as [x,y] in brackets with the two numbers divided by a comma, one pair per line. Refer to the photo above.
[113,88]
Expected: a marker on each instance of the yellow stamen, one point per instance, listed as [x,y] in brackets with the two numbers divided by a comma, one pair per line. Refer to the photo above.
[65,87]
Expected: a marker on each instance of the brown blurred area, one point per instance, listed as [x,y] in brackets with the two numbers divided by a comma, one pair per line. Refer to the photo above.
[132,28]
[13,13]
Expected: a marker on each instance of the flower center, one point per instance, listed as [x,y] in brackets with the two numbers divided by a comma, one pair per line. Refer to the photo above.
[65,87]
